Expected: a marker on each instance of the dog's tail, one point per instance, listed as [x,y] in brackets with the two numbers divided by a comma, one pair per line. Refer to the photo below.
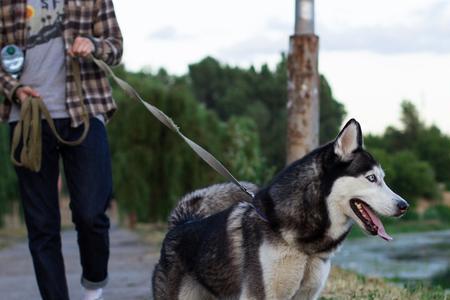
[208,201]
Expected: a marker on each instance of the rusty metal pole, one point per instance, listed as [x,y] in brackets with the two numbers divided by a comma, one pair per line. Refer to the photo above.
[303,84]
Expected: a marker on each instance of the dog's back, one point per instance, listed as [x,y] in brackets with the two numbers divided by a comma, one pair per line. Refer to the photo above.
[208,201]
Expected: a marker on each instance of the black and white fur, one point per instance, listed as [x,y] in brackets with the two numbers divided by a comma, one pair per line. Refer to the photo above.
[220,247]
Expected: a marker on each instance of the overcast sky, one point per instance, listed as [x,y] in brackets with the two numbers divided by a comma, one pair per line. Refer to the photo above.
[373,53]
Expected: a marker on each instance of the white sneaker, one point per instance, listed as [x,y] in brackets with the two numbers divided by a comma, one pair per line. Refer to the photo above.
[93,294]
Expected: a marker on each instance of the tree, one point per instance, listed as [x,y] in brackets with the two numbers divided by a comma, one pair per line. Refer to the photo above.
[427,143]
[419,156]
[153,167]
[412,124]
[260,95]
[332,112]
[434,147]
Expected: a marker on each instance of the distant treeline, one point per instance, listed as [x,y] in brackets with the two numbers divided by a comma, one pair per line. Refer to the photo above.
[239,115]
[8,180]
[415,157]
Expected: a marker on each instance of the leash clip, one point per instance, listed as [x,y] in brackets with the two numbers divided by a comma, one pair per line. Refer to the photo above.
[260,214]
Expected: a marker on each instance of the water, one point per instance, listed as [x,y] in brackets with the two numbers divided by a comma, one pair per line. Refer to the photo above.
[415,257]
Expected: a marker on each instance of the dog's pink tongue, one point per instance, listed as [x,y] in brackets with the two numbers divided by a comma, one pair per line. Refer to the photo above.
[381,232]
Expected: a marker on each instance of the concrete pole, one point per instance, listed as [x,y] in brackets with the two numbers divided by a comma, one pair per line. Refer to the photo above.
[303,84]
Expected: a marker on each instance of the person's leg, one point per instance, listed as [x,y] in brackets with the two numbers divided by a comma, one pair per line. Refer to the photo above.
[39,195]
[89,180]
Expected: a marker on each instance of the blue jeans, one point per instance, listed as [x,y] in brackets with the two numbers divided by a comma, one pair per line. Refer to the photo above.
[87,168]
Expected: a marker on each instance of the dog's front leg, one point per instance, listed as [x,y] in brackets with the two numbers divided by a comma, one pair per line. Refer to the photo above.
[315,276]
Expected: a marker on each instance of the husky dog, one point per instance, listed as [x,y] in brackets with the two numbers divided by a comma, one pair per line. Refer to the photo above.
[208,201]
[223,245]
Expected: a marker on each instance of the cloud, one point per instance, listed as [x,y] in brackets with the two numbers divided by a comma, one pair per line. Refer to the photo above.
[253,46]
[429,33]
[167,33]
[271,40]
[398,40]
[274,24]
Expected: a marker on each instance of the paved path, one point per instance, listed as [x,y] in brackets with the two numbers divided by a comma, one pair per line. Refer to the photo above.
[130,269]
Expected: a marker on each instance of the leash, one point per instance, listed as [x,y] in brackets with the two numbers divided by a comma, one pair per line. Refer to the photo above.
[29,128]
[164,119]
[32,110]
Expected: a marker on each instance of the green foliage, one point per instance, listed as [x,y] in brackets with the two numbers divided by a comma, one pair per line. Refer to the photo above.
[427,143]
[434,147]
[238,114]
[153,167]
[411,215]
[442,280]
[332,112]
[413,177]
[245,159]
[259,95]
[8,182]
[262,96]
[426,291]
[438,212]
[415,157]
[407,175]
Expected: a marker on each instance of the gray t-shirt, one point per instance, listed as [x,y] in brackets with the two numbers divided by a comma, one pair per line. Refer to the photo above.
[44,68]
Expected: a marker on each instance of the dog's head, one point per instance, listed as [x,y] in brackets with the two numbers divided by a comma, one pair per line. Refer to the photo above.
[359,190]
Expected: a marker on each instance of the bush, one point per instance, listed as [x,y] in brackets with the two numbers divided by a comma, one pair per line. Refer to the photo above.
[8,181]
[243,153]
[407,175]
[427,143]
[414,178]
[411,215]
[153,167]
[439,212]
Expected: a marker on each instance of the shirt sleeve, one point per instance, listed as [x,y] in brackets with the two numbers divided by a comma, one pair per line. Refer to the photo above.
[107,37]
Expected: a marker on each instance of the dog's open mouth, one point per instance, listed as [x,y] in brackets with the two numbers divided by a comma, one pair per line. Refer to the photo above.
[371,221]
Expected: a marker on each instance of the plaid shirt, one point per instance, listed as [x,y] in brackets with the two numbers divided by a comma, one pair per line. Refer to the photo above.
[94,19]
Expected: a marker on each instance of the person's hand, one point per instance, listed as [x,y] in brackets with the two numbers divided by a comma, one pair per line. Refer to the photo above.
[24,92]
[81,47]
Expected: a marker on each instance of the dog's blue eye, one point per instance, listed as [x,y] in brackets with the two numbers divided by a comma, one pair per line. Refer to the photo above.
[372,178]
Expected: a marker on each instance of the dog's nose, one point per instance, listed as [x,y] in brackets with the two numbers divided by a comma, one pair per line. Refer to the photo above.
[402,205]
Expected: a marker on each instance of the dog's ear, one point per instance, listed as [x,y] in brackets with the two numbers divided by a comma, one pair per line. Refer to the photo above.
[348,140]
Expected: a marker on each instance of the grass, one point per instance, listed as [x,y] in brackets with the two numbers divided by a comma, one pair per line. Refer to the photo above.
[341,285]
[9,237]
[346,285]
